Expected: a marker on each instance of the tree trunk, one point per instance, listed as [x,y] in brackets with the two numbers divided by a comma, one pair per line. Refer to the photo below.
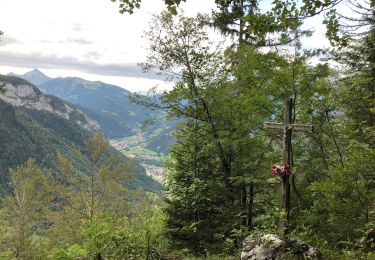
[215,134]
[244,202]
[250,210]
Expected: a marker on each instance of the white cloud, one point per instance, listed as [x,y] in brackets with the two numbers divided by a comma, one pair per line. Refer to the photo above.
[85,35]
[41,60]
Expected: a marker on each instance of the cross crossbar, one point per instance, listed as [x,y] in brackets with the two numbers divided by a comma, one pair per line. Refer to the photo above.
[293,127]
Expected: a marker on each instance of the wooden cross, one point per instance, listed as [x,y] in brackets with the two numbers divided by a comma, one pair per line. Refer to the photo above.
[288,127]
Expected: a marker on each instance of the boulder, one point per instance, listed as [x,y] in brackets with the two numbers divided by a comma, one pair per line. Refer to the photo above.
[270,246]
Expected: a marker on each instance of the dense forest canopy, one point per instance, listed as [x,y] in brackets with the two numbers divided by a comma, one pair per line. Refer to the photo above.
[219,185]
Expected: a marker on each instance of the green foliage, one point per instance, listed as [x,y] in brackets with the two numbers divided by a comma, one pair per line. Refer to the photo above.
[194,208]
[278,26]
[342,29]
[22,212]
[128,6]
[74,214]
[72,252]
[212,164]
[119,238]
[344,191]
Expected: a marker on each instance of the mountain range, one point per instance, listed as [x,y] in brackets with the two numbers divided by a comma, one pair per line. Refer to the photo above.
[110,106]
[37,125]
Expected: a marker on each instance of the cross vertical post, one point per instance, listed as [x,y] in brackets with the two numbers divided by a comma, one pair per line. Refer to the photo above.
[287,149]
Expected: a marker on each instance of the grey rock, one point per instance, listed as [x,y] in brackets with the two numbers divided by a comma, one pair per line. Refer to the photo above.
[270,246]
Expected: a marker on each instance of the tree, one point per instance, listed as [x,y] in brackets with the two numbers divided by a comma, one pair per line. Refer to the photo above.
[197,199]
[346,191]
[342,28]
[24,210]
[229,18]
[180,50]
[101,194]
[277,26]
[257,27]
[219,162]
[128,6]
[357,59]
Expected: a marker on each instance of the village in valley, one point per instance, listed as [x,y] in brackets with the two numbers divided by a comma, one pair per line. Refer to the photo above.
[134,147]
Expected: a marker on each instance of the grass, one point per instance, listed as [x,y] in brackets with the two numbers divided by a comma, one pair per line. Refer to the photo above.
[136,150]
[128,139]
[156,132]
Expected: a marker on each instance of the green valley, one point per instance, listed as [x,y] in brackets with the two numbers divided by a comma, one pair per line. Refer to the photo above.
[139,148]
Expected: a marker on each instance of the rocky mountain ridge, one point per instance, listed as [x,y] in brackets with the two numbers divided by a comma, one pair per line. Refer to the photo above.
[21,93]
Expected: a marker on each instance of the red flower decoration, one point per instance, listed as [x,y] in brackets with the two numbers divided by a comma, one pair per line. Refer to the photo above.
[280,170]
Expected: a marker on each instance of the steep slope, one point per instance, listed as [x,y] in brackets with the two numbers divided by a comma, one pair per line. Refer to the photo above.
[36,125]
[111,107]
[108,104]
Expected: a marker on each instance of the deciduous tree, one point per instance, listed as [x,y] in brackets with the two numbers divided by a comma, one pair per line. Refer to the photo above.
[24,210]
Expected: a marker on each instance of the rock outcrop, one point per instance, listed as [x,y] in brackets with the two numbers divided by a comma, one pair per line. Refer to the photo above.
[21,93]
[270,247]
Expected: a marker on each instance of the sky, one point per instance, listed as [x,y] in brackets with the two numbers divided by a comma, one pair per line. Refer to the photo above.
[90,39]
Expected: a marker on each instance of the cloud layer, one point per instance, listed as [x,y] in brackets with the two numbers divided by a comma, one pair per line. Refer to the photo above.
[40,60]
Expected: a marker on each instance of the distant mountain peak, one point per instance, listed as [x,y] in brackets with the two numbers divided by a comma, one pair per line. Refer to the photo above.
[35,72]
[34,76]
